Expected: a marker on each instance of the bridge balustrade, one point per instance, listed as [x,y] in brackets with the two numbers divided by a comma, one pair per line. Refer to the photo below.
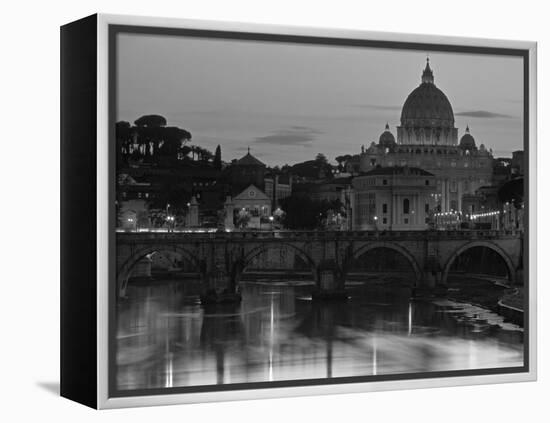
[321,235]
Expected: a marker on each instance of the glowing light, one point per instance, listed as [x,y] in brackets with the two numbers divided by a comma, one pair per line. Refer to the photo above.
[374,357]
[271,341]
[169,371]
[410,317]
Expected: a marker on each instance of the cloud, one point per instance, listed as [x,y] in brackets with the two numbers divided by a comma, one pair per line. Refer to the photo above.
[295,135]
[483,114]
[378,107]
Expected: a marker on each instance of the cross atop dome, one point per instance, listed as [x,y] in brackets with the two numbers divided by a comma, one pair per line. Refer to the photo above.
[467,129]
[387,126]
[427,75]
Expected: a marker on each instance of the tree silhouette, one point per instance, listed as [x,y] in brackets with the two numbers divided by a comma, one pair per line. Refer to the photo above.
[341,161]
[123,137]
[313,169]
[150,121]
[302,212]
[150,140]
[203,154]
[512,192]
[321,158]
[218,158]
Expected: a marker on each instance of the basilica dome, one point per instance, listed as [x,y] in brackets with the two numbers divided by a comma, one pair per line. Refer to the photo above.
[427,106]
[387,139]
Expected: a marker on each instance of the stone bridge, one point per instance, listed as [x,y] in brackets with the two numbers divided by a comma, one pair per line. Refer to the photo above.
[220,258]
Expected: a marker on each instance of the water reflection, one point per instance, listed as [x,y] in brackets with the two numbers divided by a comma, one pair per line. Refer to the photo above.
[165,339]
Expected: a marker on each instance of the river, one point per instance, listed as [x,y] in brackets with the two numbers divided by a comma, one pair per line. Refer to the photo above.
[166,339]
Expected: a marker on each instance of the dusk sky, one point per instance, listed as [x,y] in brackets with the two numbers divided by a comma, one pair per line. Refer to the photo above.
[289,102]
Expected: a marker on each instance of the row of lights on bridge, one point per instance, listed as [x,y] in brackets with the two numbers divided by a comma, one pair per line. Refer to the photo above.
[457,214]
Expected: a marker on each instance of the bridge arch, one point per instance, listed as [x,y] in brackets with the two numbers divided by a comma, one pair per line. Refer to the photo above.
[487,244]
[389,245]
[261,249]
[125,269]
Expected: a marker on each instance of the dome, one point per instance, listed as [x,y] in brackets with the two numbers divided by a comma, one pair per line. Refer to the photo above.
[386,138]
[427,106]
[467,142]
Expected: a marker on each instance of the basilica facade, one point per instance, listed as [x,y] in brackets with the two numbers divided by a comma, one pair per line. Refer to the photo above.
[427,139]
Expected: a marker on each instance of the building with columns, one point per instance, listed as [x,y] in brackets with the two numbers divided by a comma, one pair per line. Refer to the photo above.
[393,198]
[428,139]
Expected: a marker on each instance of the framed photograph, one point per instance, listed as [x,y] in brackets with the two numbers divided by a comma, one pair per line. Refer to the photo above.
[253,211]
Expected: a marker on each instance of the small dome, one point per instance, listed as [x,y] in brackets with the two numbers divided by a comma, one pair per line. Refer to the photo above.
[386,138]
[467,142]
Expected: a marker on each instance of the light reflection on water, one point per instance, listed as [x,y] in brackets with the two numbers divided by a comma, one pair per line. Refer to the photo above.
[278,333]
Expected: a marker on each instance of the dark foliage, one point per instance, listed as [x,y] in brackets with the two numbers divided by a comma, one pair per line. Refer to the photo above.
[512,192]
[312,169]
[151,141]
[218,158]
[301,212]
[150,121]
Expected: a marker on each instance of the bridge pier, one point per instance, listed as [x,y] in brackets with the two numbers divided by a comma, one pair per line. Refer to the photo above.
[122,285]
[431,279]
[220,286]
[432,275]
[219,289]
[330,282]
[518,280]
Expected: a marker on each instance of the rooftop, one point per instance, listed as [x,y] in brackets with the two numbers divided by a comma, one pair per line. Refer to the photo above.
[249,160]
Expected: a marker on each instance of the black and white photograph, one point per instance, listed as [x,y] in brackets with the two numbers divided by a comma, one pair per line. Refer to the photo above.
[273,212]
[295,211]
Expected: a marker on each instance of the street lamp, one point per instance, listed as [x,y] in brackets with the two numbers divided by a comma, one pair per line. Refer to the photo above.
[168,216]
[271,221]
[170,220]
[133,222]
